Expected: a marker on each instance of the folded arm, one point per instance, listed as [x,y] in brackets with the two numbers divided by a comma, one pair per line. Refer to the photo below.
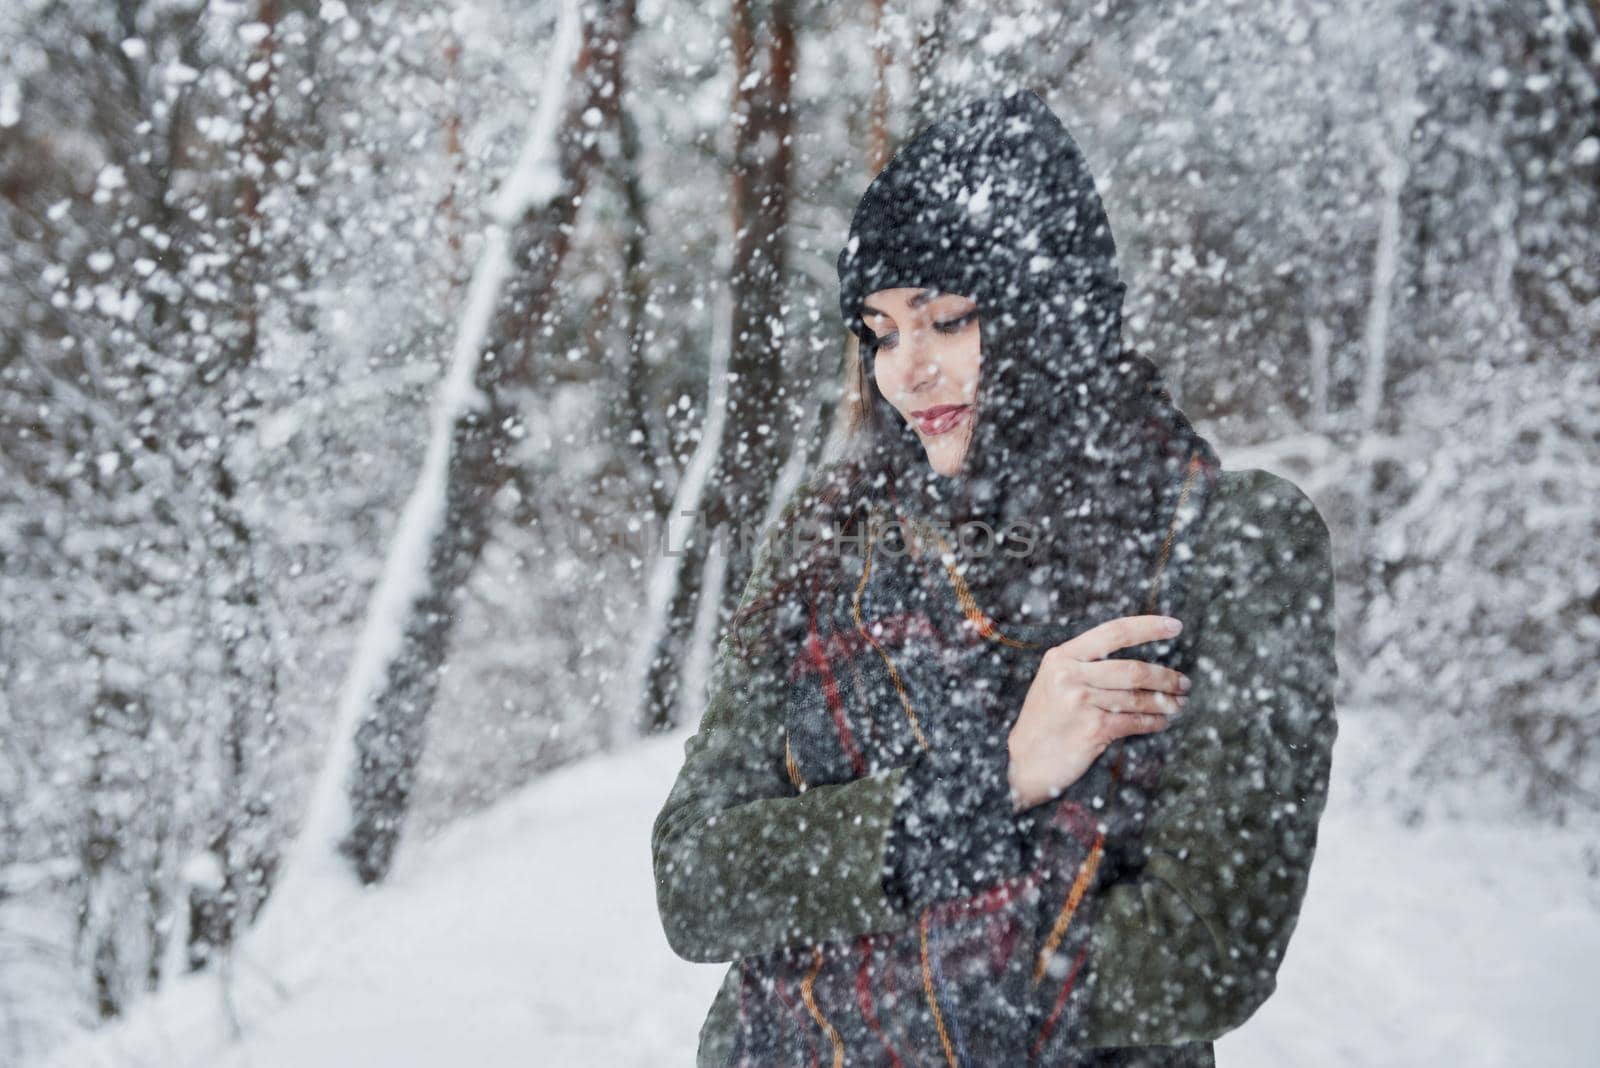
[1189,946]
[744,864]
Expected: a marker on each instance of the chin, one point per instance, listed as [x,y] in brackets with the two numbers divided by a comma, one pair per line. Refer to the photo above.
[944,465]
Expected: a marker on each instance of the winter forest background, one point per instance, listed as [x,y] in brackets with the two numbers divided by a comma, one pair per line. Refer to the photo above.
[352,357]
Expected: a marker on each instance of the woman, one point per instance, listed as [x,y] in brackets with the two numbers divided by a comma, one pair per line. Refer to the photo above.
[945,805]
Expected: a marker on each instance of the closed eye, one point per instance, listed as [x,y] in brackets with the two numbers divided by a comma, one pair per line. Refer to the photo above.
[948,326]
[953,326]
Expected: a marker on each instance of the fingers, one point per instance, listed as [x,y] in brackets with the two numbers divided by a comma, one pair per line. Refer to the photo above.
[1120,633]
[1131,675]
[1120,725]
[1138,701]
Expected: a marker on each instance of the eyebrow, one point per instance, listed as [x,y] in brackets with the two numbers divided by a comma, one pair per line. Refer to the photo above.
[915,302]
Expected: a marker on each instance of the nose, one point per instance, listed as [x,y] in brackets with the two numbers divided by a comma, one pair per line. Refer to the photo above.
[921,367]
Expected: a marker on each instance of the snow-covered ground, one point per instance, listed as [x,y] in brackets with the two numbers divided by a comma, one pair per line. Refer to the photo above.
[528,935]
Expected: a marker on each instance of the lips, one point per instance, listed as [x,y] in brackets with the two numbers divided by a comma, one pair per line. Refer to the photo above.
[939,419]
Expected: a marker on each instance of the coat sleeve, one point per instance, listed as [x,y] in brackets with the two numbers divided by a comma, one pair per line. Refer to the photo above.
[955,831]
[744,864]
[1188,946]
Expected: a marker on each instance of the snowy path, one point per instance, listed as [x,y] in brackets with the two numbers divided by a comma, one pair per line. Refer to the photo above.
[528,935]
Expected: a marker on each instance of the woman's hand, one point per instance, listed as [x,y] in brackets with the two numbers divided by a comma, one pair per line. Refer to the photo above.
[1079,704]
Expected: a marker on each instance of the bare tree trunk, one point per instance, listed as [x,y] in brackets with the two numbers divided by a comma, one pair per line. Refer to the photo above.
[878,138]
[115,717]
[392,732]
[1393,148]
[628,404]
[752,442]
[244,844]
[456,157]
[756,432]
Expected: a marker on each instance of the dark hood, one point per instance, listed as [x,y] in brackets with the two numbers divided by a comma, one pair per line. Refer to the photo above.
[1076,436]
[995,202]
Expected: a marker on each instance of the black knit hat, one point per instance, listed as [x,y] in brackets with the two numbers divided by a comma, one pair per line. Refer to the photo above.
[981,203]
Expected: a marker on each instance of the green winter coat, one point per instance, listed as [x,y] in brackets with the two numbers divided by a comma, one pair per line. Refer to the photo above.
[1183,951]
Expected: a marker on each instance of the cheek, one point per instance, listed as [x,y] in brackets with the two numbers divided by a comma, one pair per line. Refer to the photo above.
[889,374]
[964,364]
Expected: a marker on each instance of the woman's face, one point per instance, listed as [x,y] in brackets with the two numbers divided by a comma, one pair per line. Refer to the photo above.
[927,366]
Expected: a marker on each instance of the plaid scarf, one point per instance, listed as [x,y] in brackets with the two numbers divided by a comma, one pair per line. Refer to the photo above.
[902,662]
